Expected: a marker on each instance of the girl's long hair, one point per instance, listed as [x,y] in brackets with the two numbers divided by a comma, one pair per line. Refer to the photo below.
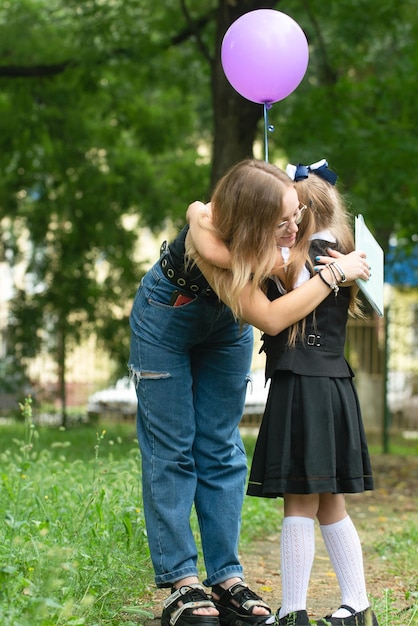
[329,213]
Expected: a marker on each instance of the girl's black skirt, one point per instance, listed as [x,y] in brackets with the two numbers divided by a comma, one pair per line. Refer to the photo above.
[311,439]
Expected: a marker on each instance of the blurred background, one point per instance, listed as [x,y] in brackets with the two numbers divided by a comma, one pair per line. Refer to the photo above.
[116,114]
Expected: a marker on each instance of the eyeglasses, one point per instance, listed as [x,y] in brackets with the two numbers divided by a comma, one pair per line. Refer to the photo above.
[297,218]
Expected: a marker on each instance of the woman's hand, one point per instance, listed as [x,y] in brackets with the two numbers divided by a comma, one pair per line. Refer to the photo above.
[354,264]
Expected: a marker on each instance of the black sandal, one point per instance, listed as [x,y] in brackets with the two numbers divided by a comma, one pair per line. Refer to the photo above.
[236,604]
[191,597]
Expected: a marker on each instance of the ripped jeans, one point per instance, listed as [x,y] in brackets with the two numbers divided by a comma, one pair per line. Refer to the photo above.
[190,365]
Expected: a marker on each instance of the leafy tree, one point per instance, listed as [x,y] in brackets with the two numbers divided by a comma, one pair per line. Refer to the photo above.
[115,115]
[355,106]
[87,137]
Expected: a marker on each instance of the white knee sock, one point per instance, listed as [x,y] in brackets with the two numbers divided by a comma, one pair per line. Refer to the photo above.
[344,548]
[297,555]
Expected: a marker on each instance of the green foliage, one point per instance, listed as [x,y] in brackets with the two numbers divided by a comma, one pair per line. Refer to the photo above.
[106,126]
[89,135]
[390,615]
[399,445]
[399,550]
[73,545]
[355,106]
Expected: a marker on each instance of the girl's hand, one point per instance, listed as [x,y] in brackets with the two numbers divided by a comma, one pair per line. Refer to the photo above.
[197,209]
[354,264]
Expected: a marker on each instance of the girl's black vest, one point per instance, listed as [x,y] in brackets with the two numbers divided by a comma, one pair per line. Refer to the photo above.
[320,352]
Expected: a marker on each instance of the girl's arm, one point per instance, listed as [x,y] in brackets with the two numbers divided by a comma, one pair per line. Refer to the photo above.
[205,239]
[272,317]
[208,244]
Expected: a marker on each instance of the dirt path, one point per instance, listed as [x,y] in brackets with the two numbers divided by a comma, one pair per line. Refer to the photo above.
[376,514]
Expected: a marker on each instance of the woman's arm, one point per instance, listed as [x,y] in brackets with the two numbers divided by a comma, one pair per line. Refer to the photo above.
[274,316]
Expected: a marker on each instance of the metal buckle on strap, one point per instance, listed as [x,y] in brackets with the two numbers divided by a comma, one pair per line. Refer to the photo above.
[314,340]
[194,593]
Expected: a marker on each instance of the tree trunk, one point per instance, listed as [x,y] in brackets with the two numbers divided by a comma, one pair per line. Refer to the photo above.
[61,375]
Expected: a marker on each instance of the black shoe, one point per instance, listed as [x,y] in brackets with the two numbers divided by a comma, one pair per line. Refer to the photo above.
[295,618]
[178,608]
[236,605]
[362,618]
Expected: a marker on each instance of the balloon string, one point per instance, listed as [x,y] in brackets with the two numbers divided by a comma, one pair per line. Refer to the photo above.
[266,143]
[267,128]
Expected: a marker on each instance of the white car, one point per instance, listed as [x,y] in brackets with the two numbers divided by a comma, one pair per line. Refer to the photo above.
[117,400]
[256,397]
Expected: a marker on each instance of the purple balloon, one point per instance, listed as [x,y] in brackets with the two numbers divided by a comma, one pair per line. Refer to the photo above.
[264,55]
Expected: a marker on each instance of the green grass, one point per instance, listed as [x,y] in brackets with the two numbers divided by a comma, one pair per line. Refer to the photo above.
[400,552]
[73,546]
[399,444]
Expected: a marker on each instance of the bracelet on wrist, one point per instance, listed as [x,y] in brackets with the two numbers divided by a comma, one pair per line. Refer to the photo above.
[330,267]
[332,285]
[343,278]
[324,280]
